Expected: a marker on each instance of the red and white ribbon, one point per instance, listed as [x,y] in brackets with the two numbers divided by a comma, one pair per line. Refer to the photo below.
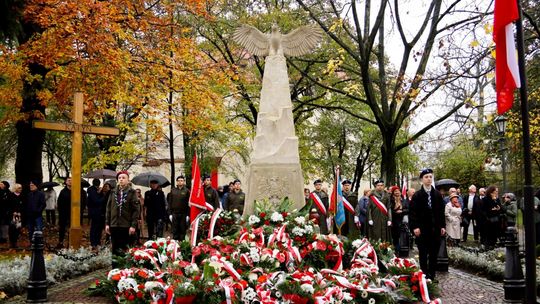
[195,230]
[424,289]
[230,269]
[227,288]
[379,204]
[318,202]
[146,254]
[348,205]
[213,221]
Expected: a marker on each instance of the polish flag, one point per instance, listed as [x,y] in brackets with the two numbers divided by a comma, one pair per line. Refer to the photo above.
[196,197]
[506,65]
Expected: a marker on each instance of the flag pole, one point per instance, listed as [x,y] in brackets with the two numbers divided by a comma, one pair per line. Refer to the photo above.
[528,216]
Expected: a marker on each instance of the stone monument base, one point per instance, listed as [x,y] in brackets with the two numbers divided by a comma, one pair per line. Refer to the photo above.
[274,182]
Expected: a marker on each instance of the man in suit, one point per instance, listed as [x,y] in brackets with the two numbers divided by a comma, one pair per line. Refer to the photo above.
[318,193]
[471,209]
[427,221]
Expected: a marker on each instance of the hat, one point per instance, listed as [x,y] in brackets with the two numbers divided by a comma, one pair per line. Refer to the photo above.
[205,176]
[453,195]
[6,184]
[122,172]
[35,181]
[393,188]
[180,177]
[236,181]
[425,171]
[346,182]
[317,181]
[378,181]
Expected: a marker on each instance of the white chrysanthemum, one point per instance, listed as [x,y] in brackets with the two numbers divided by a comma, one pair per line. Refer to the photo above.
[278,294]
[371,301]
[253,219]
[127,283]
[153,285]
[298,231]
[276,217]
[364,294]
[255,257]
[300,220]
[248,295]
[252,277]
[347,296]
[307,288]
[357,243]
[308,229]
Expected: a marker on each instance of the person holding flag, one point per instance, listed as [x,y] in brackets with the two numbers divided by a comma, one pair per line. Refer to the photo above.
[319,200]
[379,214]
[350,200]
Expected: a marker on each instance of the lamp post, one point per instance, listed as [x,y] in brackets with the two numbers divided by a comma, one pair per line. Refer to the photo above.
[460,119]
[500,124]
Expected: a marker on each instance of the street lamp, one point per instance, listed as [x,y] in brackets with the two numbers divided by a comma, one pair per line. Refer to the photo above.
[460,119]
[500,124]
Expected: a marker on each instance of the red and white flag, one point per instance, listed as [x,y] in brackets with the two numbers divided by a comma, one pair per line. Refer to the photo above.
[506,66]
[196,197]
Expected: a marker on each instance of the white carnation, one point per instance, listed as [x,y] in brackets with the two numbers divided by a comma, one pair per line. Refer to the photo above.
[298,231]
[276,217]
[371,301]
[307,288]
[127,283]
[300,220]
[308,229]
[253,219]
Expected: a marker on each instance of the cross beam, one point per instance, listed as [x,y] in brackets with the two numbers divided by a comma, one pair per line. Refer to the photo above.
[78,129]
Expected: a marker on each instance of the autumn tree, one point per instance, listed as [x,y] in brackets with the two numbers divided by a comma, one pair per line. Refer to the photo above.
[118,53]
[394,95]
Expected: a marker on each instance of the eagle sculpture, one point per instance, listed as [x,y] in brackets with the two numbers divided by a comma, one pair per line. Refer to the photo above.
[298,42]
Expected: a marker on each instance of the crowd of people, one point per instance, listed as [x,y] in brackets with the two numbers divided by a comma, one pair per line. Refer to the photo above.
[382,213]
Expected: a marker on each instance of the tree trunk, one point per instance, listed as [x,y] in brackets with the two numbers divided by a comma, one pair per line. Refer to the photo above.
[30,140]
[171,138]
[188,158]
[388,158]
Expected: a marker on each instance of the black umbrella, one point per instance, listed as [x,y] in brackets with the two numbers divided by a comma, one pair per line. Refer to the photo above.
[144,179]
[48,185]
[446,184]
[101,174]
[111,182]
[85,183]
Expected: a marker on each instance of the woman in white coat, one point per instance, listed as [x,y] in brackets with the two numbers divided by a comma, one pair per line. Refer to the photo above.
[452,213]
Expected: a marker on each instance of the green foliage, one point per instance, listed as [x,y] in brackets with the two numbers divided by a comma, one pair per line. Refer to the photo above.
[464,163]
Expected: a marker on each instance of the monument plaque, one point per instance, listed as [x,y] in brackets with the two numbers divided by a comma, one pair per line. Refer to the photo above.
[274,171]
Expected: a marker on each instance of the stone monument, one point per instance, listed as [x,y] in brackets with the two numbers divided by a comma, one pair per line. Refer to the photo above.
[274,171]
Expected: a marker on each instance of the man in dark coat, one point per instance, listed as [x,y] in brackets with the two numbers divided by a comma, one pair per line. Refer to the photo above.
[178,202]
[323,196]
[427,221]
[236,198]
[349,228]
[64,211]
[156,213]
[379,215]
[96,212]
[35,204]
[471,207]
[210,194]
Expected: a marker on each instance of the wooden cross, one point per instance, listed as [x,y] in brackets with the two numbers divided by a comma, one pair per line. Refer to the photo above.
[77,128]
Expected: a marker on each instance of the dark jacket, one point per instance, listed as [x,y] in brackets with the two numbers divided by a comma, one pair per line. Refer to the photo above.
[235,201]
[154,203]
[123,211]
[96,202]
[64,203]
[178,200]
[429,220]
[5,202]
[476,209]
[487,204]
[35,203]
[211,196]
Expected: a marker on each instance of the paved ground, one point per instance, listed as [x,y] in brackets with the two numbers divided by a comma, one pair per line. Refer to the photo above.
[456,287]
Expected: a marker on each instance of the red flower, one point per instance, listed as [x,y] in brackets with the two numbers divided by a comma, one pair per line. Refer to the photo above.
[320,245]
[267,222]
[403,279]
[140,295]
[284,214]
[155,245]
[97,282]
[262,214]
[414,288]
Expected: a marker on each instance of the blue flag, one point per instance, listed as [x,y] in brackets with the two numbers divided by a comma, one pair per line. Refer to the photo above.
[340,210]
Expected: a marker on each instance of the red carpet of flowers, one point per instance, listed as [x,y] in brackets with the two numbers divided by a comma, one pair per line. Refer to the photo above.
[271,257]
